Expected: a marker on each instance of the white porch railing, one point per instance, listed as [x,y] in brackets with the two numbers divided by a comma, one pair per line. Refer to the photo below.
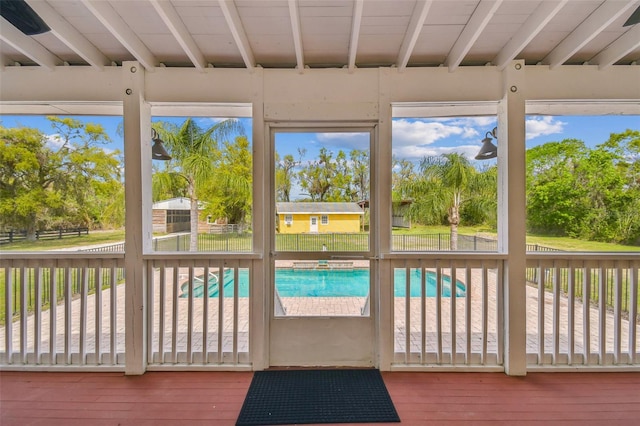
[435,325]
[582,310]
[198,312]
[62,310]
[66,310]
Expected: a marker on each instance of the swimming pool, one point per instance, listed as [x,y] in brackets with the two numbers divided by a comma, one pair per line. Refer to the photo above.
[326,283]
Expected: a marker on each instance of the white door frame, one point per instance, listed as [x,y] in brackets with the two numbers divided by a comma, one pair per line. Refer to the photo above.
[313,224]
[321,341]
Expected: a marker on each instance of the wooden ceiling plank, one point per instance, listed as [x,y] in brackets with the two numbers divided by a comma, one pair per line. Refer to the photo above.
[413,32]
[597,22]
[477,23]
[627,43]
[294,15]
[105,13]
[531,28]
[174,23]
[27,45]
[234,22]
[355,34]
[66,33]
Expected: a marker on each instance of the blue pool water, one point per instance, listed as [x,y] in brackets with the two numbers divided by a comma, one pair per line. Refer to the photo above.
[327,283]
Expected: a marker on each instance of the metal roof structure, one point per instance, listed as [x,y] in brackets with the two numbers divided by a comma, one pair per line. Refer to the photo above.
[179,203]
[318,208]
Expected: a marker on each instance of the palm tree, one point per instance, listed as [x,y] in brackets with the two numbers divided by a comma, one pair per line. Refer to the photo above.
[195,154]
[444,185]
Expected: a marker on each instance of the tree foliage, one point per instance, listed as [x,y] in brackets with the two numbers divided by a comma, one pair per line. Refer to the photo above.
[286,175]
[444,187]
[65,180]
[228,194]
[340,177]
[195,162]
[591,194]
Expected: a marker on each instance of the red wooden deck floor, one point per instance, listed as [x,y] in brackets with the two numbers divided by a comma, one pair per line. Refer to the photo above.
[215,398]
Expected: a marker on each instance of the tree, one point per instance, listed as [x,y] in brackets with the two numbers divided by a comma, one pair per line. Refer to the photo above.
[360,174]
[195,154]
[228,194]
[65,180]
[285,174]
[587,193]
[555,203]
[624,205]
[317,176]
[444,186]
[402,173]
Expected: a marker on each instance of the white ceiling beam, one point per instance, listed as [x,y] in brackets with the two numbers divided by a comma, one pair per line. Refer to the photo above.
[531,28]
[355,33]
[599,20]
[122,32]
[294,14]
[27,45]
[627,42]
[477,23]
[413,32]
[66,33]
[232,17]
[172,20]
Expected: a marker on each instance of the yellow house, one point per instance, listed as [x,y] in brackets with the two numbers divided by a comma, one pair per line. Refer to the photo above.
[309,217]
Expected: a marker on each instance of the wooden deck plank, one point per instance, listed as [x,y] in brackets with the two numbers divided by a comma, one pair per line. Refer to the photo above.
[215,398]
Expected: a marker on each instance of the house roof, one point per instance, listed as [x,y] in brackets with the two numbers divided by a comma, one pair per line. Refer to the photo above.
[179,203]
[318,208]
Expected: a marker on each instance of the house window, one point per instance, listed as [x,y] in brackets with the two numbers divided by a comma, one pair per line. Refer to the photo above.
[288,219]
[324,219]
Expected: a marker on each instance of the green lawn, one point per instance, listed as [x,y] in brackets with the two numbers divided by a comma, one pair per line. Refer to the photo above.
[94,237]
[560,243]
[105,237]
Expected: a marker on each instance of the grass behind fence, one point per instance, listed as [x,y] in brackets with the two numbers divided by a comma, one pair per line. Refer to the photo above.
[50,278]
[606,277]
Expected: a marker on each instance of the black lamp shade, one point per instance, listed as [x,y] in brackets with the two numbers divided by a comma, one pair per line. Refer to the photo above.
[488,150]
[158,152]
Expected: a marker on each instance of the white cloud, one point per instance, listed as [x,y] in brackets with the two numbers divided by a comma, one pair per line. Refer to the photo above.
[54,141]
[476,121]
[344,140]
[422,133]
[545,125]
[414,139]
[415,152]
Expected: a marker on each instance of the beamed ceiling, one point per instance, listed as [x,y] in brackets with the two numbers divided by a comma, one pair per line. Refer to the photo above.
[325,33]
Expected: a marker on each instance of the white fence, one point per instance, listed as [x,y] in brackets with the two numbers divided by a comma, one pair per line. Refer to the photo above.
[198,312]
[66,310]
[582,310]
[436,325]
[62,311]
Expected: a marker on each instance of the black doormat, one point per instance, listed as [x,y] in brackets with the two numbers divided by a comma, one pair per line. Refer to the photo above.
[317,396]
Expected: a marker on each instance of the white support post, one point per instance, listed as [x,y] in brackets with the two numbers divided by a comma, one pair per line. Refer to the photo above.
[260,315]
[383,308]
[512,215]
[137,174]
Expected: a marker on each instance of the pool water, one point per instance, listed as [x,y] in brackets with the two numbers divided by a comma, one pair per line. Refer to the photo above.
[326,283]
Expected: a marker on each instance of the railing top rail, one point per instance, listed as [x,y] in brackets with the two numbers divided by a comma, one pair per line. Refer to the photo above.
[444,255]
[58,254]
[181,255]
[564,255]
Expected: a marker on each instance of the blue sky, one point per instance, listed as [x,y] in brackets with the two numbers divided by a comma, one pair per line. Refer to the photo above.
[412,138]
